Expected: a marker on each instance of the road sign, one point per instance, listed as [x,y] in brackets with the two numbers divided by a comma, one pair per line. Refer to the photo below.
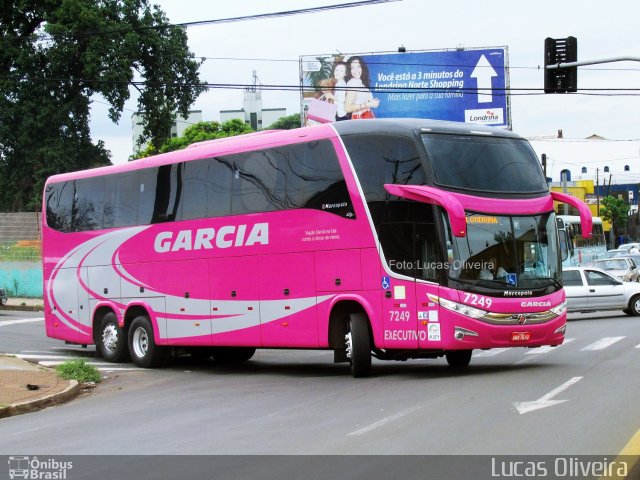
[466,85]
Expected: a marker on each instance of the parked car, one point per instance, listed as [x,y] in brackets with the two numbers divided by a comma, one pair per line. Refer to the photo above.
[617,252]
[590,289]
[633,247]
[3,297]
[622,267]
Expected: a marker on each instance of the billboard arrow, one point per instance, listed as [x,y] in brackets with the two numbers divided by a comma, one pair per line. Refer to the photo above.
[545,400]
[483,73]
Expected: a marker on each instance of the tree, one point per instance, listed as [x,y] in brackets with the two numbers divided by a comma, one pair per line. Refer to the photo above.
[286,123]
[56,54]
[615,211]
[200,132]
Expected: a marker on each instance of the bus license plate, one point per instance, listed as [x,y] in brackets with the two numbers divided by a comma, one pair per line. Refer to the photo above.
[520,336]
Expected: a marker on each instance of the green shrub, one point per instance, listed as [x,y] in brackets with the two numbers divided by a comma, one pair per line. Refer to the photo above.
[79,370]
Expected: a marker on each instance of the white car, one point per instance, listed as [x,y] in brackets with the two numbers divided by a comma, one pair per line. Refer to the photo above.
[622,267]
[589,289]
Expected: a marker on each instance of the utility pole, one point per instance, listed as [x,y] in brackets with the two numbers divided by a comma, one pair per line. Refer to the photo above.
[565,206]
[597,192]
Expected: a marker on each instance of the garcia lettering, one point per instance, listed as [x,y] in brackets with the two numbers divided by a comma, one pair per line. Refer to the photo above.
[207,238]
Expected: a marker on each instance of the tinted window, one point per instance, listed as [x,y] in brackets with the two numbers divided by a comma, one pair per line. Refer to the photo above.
[571,278]
[380,159]
[306,175]
[88,204]
[59,201]
[219,183]
[167,194]
[482,163]
[147,194]
[193,203]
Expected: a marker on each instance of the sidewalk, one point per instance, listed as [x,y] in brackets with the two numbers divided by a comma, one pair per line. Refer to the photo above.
[26,387]
[26,304]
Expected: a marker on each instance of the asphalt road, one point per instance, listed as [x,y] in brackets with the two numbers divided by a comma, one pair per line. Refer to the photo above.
[577,399]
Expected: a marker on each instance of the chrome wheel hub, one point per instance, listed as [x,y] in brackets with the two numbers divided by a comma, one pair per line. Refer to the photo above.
[110,338]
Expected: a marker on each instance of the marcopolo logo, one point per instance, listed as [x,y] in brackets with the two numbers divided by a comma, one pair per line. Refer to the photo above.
[34,468]
[489,116]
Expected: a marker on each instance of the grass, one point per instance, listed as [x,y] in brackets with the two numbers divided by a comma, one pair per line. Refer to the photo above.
[21,251]
[79,370]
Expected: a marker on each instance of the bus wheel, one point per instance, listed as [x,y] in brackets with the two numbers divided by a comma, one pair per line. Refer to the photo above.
[358,345]
[458,358]
[112,342]
[634,306]
[144,351]
[232,354]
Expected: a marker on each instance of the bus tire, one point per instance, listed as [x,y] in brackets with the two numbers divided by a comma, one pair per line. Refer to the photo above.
[634,305]
[142,346]
[458,358]
[232,354]
[112,340]
[358,345]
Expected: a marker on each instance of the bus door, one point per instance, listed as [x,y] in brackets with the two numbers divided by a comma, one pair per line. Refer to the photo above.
[407,247]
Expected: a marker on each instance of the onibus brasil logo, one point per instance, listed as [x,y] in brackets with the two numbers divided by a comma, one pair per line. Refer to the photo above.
[36,469]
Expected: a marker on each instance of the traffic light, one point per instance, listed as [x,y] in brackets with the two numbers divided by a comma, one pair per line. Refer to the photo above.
[560,50]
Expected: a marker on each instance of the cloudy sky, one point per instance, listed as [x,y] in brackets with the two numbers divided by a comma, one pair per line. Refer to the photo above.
[272,47]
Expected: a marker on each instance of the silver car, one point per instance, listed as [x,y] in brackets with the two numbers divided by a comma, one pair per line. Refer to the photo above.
[589,289]
[622,267]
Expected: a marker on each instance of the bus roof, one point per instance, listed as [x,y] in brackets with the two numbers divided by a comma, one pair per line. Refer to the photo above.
[270,138]
[417,125]
[576,219]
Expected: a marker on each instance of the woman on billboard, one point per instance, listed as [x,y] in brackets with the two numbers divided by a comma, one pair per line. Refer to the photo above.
[359,100]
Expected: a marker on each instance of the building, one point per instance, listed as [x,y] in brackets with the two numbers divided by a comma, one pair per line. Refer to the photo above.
[601,160]
[177,130]
[252,112]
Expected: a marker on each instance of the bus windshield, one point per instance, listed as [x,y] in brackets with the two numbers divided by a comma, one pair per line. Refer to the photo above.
[507,251]
[490,164]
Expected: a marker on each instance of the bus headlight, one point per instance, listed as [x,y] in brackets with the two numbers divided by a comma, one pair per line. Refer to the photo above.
[458,307]
[559,309]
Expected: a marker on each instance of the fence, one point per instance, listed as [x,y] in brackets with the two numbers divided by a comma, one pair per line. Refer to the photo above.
[21,254]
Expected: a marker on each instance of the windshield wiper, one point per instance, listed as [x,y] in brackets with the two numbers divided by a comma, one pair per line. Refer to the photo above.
[476,282]
[555,282]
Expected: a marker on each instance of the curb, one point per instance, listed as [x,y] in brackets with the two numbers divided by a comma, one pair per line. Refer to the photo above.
[23,308]
[69,393]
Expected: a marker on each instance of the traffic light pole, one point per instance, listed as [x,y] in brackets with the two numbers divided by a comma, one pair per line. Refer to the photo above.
[592,62]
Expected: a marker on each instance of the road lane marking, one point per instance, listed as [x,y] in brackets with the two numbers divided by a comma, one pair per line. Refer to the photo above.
[103,367]
[51,357]
[602,343]
[55,360]
[382,422]
[630,455]
[545,400]
[4,323]
[490,353]
[548,348]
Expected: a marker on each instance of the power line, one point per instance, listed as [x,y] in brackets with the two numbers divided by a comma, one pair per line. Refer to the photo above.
[260,16]
[290,87]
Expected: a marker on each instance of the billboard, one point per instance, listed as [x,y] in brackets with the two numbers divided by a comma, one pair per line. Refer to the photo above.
[463,85]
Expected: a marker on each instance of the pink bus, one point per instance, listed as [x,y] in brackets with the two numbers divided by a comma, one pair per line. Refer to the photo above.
[393,239]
